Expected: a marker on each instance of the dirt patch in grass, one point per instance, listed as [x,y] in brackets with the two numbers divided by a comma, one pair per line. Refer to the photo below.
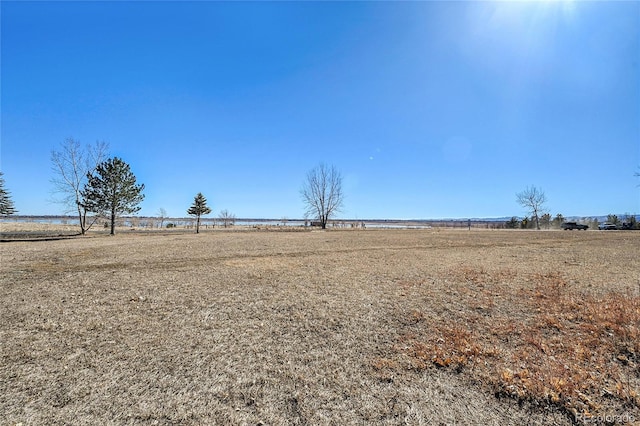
[340,327]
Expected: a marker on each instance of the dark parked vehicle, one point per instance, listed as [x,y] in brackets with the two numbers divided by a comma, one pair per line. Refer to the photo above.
[607,226]
[570,226]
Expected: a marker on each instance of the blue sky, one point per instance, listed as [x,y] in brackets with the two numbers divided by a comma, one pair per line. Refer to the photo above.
[429,109]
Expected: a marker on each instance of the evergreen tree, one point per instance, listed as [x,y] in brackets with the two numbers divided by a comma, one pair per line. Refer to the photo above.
[6,203]
[512,223]
[630,222]
[199,208]
[613,219]
[112,191]
[558,220]
[545,220]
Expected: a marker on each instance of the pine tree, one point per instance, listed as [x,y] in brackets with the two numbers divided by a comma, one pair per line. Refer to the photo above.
[112,191]
[199,208]
[6,203]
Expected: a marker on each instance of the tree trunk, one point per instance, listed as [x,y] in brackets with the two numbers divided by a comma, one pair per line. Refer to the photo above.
[83,223]
[198,224]
[113,222]
[81,219]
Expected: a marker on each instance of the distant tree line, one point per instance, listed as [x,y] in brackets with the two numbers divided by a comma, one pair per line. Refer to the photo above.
[90,185]
[627,221]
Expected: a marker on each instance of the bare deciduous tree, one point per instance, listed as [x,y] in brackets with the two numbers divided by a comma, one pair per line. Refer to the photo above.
[227,218]
[162,215]
[533,199]
[322,193]
[71,165]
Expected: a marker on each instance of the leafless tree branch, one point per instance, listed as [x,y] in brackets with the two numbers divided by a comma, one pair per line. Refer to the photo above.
[322,193]
[70,166]
[533,199]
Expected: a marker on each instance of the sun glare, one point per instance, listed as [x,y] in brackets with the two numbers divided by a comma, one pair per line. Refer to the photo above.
[520,27]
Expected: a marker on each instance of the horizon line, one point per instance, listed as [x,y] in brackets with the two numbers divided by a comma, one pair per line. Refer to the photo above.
[284,219]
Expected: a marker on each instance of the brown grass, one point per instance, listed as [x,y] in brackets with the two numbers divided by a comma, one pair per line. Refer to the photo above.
[382,327]
[564,349]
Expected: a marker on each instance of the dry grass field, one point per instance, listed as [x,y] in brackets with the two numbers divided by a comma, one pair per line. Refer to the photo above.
[337,327]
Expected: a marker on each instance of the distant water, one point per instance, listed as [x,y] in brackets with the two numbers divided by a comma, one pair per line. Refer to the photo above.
[152,222]
[51,220]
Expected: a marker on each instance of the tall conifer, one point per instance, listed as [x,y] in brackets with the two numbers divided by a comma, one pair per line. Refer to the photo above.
[112,191]
[199,208]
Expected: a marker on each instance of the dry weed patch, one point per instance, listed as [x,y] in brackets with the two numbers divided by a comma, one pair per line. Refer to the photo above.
[545,344]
